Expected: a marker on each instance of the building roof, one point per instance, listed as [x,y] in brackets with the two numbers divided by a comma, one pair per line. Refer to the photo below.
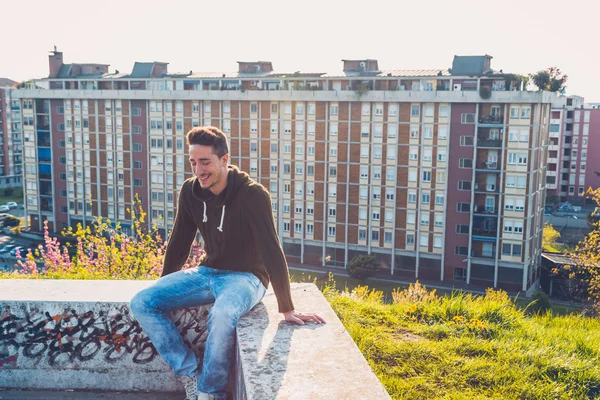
[558,258]
[5,82]
[468,65]
[142,70]
[392,73]
[65,71]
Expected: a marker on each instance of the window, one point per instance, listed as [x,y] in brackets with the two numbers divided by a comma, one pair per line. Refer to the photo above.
[426,176]
[392,110]
[375,216]
[389,194]
[410,217]
[425,197]
[412,197]
[509,204]
[286,226]
[510,181]
[331,231]
[376,173]
[520,205]
[466,140]
[463,207]
[522,159]
[462,229]
[364,172]
[366,109]
[414,110]
[414,153]
[465,163]
[412,175]
[425,219]
[375,235]
[299,109]
[298,227]
[387,237]
[310,170]
[392,131]
[461,250]
[442,132]
[378,109]
[521,181]
[137,182]
[362,234]
[525,112]
[427,155]
[333,170]
[410,240]
[444,111]
[311,109]
[441,155]
[332,190]
[333,149]
[467,118]
[428,110]
[437,242]
[460,274]
[439,199]
[512,158]
[389,216]
[424,240]
[414,132]
[334,109]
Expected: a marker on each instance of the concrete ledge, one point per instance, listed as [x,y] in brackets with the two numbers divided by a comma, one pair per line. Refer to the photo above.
[58,334]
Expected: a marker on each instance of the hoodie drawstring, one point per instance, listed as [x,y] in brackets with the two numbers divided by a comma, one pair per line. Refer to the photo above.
[220,228]
[205,218]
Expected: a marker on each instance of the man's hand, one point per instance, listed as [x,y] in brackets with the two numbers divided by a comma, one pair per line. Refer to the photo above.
[300,318]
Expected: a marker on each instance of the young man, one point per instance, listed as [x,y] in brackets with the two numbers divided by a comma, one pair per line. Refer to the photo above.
[242,254]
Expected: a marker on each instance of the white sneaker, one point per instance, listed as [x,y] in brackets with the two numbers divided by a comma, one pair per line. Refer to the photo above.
[191,386]
[205,396]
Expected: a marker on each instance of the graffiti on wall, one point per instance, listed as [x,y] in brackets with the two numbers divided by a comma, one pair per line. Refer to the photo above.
[74,337]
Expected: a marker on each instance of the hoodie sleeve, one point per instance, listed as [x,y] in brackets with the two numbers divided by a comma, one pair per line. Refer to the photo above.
[265,236]
[182,236]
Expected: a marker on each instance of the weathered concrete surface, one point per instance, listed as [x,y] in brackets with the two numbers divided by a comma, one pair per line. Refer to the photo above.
[83,395]
[80,335]
[289,362]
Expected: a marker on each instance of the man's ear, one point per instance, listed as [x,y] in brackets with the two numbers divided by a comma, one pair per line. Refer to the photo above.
[225,159]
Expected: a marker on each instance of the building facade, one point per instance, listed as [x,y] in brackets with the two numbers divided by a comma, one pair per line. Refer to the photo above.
[438,173]
[572,168]
[11,146]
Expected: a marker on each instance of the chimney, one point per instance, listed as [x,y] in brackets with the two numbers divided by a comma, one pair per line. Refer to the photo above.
[55,61]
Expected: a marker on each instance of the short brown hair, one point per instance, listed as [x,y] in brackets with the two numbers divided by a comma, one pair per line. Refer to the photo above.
[209,136]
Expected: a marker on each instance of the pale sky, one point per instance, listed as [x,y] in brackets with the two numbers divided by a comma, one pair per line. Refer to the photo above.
[523,36]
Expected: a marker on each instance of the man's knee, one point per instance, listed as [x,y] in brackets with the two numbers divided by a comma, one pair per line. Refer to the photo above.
[224,315]
[140,303]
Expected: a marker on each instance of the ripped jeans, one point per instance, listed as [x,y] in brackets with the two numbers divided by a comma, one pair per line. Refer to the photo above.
[233,294]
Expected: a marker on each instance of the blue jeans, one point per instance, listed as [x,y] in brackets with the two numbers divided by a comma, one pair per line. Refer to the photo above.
[233,294]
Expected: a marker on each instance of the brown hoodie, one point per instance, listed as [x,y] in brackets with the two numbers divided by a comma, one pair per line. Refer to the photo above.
[238,231]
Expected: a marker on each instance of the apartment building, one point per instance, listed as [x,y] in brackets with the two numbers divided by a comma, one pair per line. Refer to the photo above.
[439,173]
[11,147]
[574,134]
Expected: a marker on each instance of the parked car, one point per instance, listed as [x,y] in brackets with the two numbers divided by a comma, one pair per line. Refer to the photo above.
[4,208]
[2,216]
[11,205]
[6,249]
[566,207]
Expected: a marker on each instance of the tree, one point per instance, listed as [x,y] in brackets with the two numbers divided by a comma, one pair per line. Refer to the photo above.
[549,238]
[362,266]
[550,79]
[587,254]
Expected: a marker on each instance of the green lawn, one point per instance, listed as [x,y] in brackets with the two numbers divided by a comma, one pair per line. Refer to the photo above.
[471,347]
[16,196]
[342,282]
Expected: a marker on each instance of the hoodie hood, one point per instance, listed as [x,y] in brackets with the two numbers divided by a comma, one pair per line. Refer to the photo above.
[236,179]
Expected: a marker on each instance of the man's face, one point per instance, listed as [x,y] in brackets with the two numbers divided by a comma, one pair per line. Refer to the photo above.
[210,170]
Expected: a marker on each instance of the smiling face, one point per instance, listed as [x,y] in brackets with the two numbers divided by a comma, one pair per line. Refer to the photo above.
[210,170]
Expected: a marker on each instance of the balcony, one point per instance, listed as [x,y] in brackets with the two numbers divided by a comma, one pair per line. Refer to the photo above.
[483,254]
[486,188]
[486,142]
[485,209]
[488,166]
[491,120]
[484,232]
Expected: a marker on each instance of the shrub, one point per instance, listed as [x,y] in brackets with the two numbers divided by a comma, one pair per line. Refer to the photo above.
[362,266]
[540,303]
[8,191]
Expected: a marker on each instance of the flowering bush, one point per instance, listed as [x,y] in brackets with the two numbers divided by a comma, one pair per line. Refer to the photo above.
[102,252]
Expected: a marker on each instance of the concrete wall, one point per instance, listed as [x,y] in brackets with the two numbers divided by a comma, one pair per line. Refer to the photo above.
[59,334]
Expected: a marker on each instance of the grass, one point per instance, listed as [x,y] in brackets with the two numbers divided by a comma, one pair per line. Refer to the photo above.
[16,196]
[343,282]
[424,346]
